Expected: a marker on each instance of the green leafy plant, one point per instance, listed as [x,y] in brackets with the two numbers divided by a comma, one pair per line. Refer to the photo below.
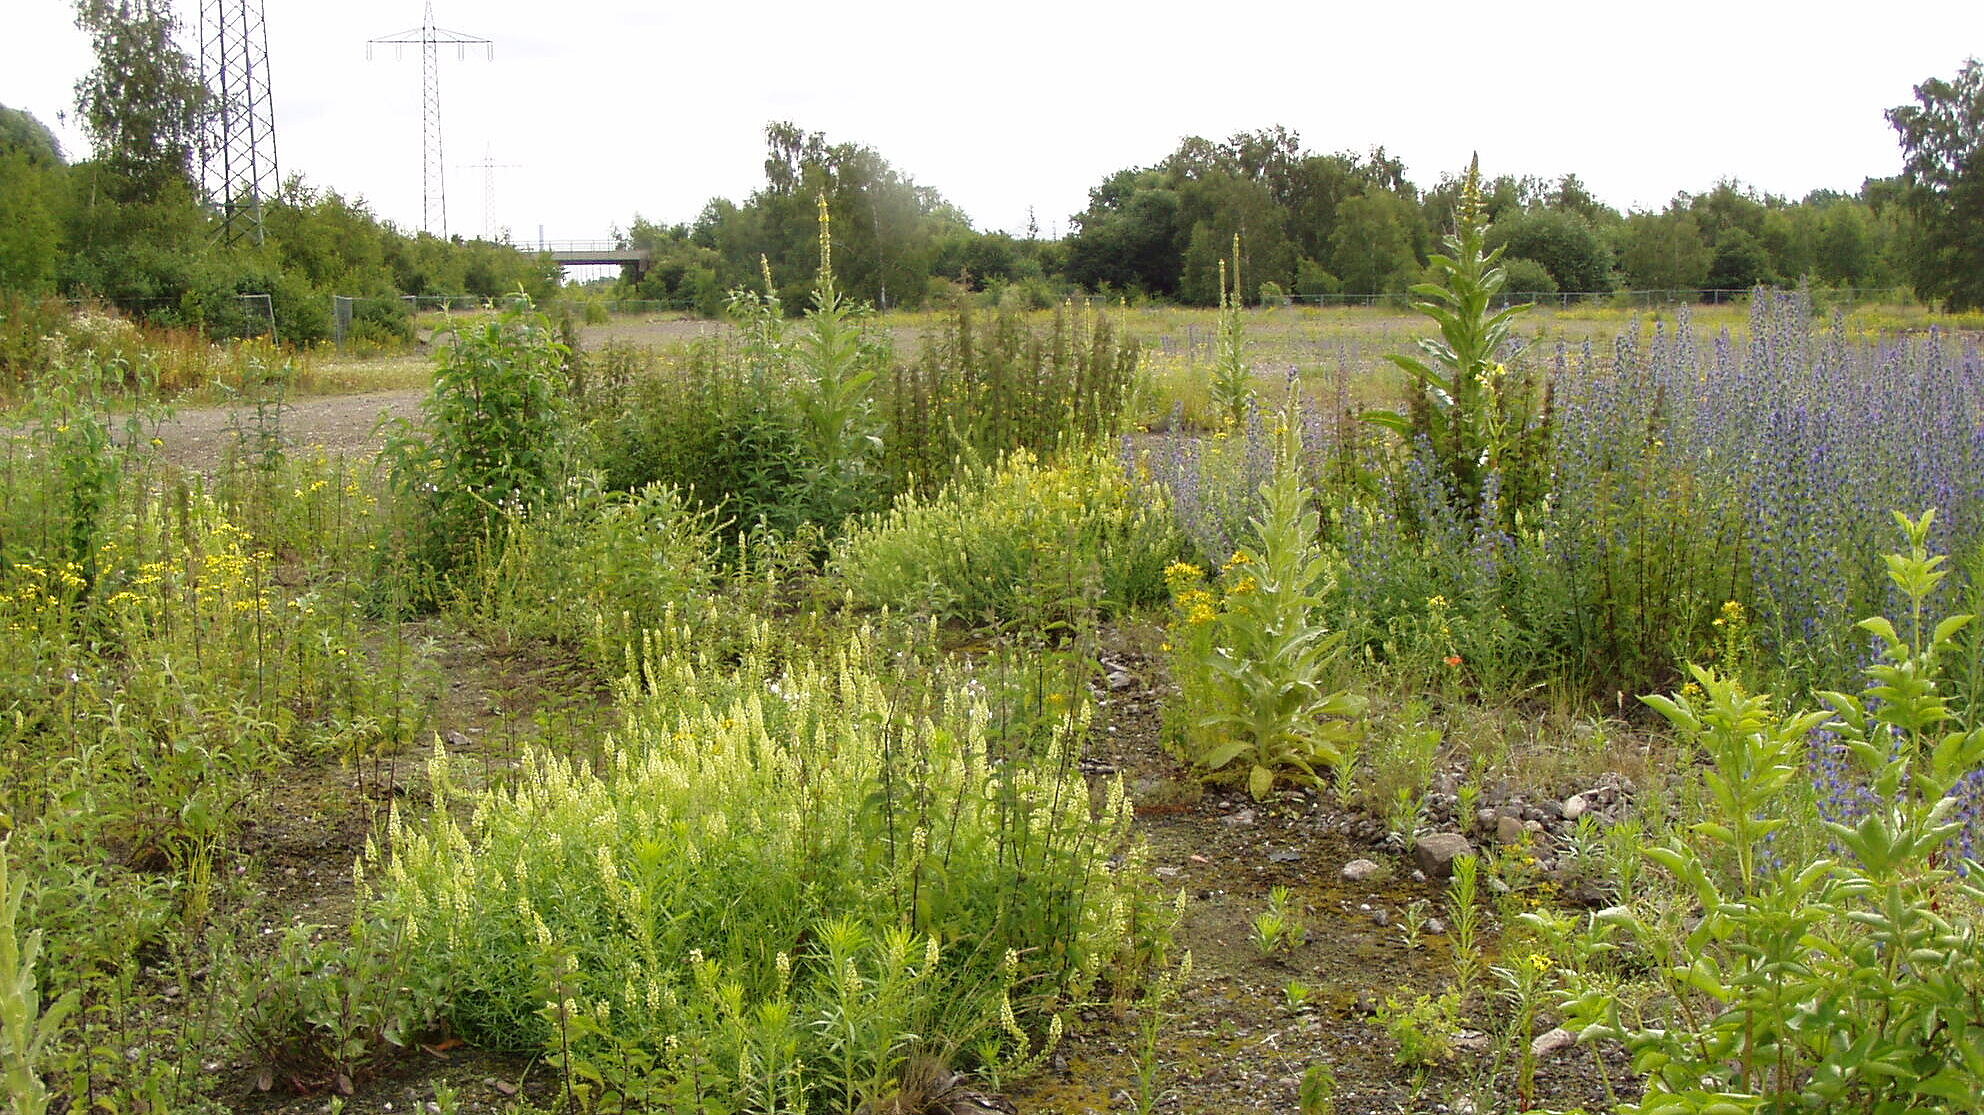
[1316,1095]
[1469,416]
[1153,1012]
[1231,388]
[1844,983]
[492,443]
[1464,919]
[837,360]
[983,385]
[793,859]
[317,1012]
[1254,663]
[1296,995]
[1526,981]
[1412,922]
[1027,541]
[1277,928]
[26,1027]
[1421,1028]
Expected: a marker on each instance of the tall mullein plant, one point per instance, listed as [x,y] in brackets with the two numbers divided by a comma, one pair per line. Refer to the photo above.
[837,360]
[1271,656]
[1232,384]
[1467,415]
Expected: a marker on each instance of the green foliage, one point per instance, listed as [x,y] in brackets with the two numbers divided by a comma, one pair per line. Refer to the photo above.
[1740,262]
[76,426]
[1421,1028]
[1018,541]
[1130,237]
[777,433]
[1664,251]
[648,561]
[1565,243]
[1313,281]
[33,199]
[837,360]
[492,442]
[890,227]
[26,1027]
[1942,139]
[1317,1093]
[319,1010]
[724,429]
[1839,983]
[1255,662]
[1371,247]
[1277,928]
[144,104]
[776,866]
[1526,276]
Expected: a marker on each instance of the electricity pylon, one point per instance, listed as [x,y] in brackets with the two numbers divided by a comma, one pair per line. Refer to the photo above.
[489,166]
[433,167]
[238,146]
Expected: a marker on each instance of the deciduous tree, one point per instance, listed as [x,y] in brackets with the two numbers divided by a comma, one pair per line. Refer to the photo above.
[1942,140]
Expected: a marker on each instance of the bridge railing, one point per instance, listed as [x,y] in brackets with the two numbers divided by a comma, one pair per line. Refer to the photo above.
[578,246]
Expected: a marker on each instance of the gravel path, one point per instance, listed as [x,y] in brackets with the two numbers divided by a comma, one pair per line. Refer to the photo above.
[199,437]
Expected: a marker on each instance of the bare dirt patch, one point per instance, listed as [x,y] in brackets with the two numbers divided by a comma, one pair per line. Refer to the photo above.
[201,438]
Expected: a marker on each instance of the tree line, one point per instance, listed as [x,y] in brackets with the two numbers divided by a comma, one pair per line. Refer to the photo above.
[129,225]
[1324,226]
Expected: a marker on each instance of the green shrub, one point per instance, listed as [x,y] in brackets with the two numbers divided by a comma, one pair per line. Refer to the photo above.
[25,1027]
[986,384]
[775,432]
[1022,541]
[492,444]
[1526,276]
[784,886]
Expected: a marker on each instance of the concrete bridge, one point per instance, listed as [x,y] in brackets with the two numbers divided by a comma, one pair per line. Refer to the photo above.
[598,253]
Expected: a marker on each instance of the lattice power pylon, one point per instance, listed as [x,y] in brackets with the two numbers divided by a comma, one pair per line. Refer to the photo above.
[433,168]
[238,151]
[489,166]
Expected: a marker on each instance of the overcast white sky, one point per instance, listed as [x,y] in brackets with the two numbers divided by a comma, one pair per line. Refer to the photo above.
[615,107]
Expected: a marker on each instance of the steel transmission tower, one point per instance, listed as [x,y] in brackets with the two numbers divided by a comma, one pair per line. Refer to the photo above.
[489,166]
[433,168]
[238,149]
